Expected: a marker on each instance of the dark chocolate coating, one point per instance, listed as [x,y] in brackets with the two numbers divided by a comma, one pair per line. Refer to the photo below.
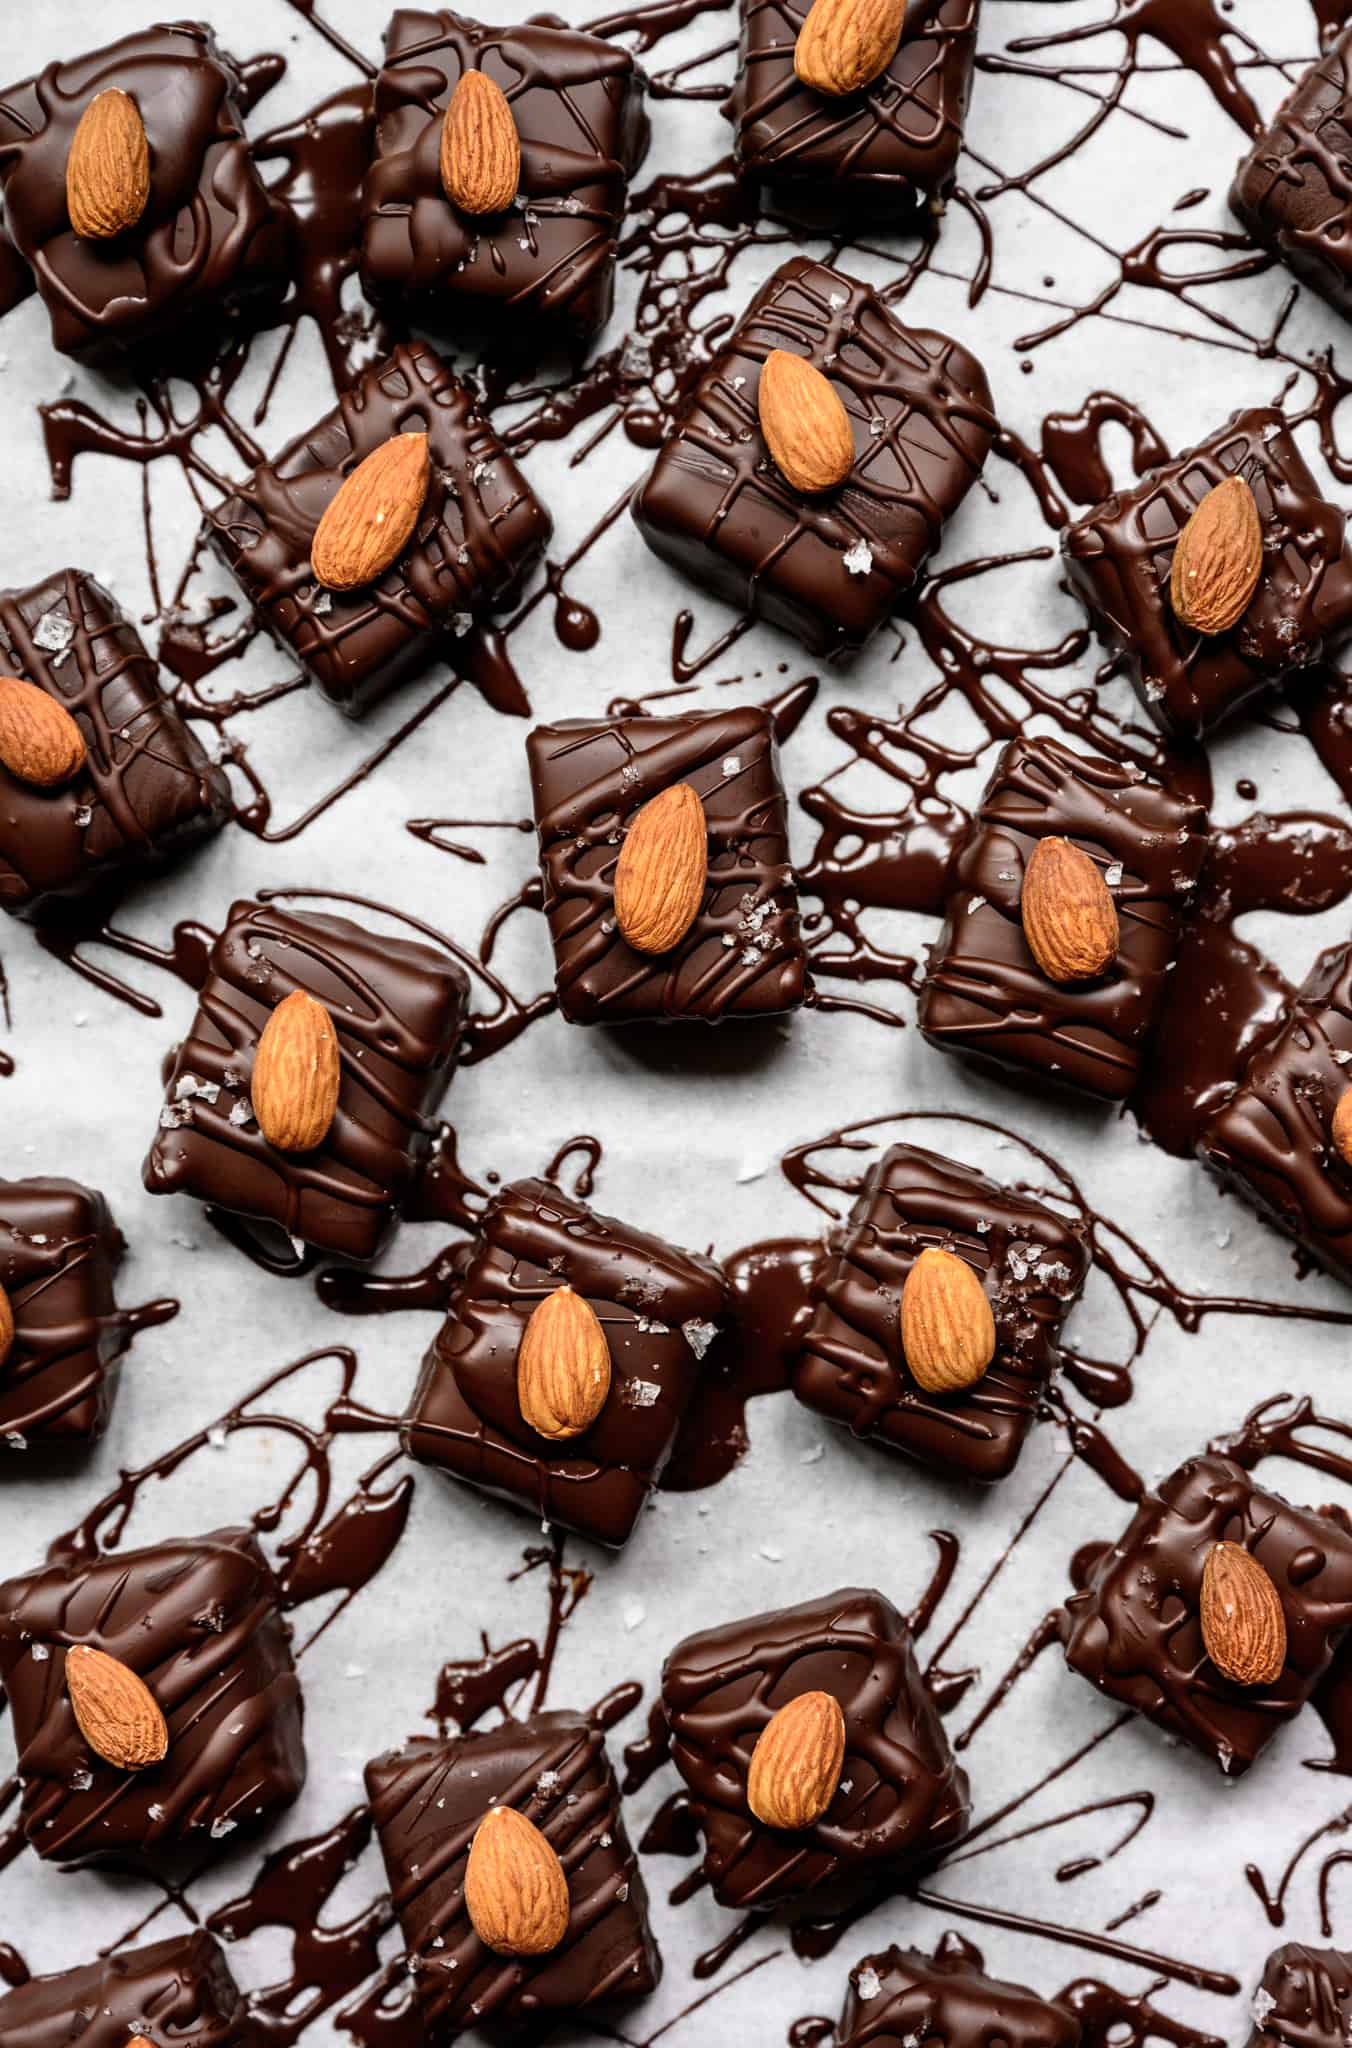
[901,1797]
[883,151]
[180,1990]
[1272,1141]
[742,956]
[147,789]
[428,1799]
[984,992]
[658,1307]
[59,1250]
[1120,556]
[1134,1630]
[1306,1999]
[198,1620]
[481,530]
[1031,1264]
[210,236]
[396,1007]
[577,102]
[1292,191]
[715,506]
[947,2000]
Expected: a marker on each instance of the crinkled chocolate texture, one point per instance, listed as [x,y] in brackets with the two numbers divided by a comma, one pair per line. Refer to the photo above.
[428,1799]
[577,103]
[1292,191]
[828,568]
[901,1799]
[984,992]
[396,1007]
[59,1250]
[1305,2000]
[199,1621]
[742,956]
[1121,554]
[888,149]
[1031,1264]
[1134,1630]
[1272,1141]
[210,236]
[902,1996]
[481,530]
[146,791]
[659,1308]
[178,1990]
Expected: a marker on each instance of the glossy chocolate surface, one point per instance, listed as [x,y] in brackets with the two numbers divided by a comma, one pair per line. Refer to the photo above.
[577,102]
[1120,556]
[887,149]
[481,529]
[828,568]
[742,955]
[984,993]
[198,1620]
[1134,1630]
[180,1990]
[209,237]
[1272,1141]
[901,1997]
[1031,1264]
[59,1250]
[1305,1999]
[428,1799]
[146,790]
[901,1797]
[396,1007]
[659,1308]
[1292,192]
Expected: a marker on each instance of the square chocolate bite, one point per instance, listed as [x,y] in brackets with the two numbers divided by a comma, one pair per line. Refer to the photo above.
[1274,1142]
[394,1010]
[740,954]
[548,254]
[828,565]
[988,991]
[201,235]
[178,1991]
[191,1645]
[642,1313]
[431,1798]
[890,148]
[1029,1264]
[1121,560]
[902,1997]
[61,1336]
[1135,1628]
[1305,2000]
[140,788]
[896,1798]
[478,529]
[1291,191]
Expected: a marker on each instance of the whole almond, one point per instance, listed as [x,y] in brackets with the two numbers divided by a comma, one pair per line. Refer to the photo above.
[947,1328]
[662,870]
[6,1326]
[296,1075]
[480,148]
[368,524]
[795,1765]
[562,1366]
[1243,1622]
[1342,1124]
[1069,917]
[39,740]
[806,428]
[108,167]
[115,1711]
[846,44]
[516,1893]
[1218,559]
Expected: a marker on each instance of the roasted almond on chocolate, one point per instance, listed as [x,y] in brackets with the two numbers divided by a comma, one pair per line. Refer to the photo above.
[806,427]
[516,1893]
[662,869]
[947,1328]
[1243,1622]
[846,44]
[6,1326]
[480,158]
[297,1074]
[1218,559]
[116,1712]
[1069,917]
[367,526]
[1341,1127]
[40,742]
[108,168]
[562,1366]
[796,1763]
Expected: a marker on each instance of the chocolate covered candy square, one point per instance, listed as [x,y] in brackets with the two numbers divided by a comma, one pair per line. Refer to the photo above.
[1305,1999]
[178,1991]
[1291,191]
[59,1251]
[903,1996]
